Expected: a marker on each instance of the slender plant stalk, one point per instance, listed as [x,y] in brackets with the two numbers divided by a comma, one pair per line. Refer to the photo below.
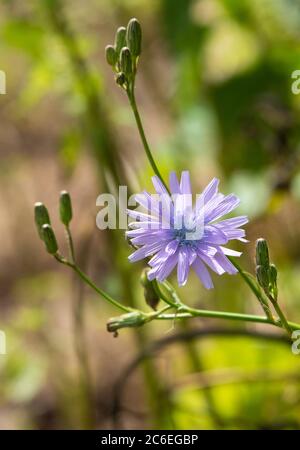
[88,281]
[247,277]
[70,244]
[191,312]
[132,101]
[281,315]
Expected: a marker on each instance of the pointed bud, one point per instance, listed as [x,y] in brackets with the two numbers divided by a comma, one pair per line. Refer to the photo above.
[262,275]
[130,320]
[65,208]
[49,239]
[111,55]
[41,217]
[120,79]
[151,297]
[134,37]
[126,62]
[262,253]
[120,40]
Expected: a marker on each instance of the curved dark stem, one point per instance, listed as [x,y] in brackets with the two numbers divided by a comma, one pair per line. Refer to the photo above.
[184,336]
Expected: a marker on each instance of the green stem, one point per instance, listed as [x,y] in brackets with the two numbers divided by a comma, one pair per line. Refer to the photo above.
[70,244]
[132,101]
[281,316]
[191,312]
[254,288]
[88,281]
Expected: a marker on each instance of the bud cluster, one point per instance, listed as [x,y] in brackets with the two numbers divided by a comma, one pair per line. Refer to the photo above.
[266,272]
[124,54]
[43,222]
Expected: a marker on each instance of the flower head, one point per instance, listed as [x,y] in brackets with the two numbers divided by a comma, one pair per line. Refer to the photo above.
[175,232]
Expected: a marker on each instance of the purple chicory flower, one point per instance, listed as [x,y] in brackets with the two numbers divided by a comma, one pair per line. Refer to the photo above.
[174,232]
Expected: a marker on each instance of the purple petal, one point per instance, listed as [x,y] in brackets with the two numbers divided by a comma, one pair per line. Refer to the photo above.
[235,234]
[145,225]
[214,236]
[150,238]
[139,215]
[185,183]
[229,203]
[183,266]
[167,267]
[212,263]
[159,186]
[174,184]
[211,190]
[168,251]
[145,251]
[230,252]
[234,222]
[210,206]
[203,273]
[225,263]
[149,202]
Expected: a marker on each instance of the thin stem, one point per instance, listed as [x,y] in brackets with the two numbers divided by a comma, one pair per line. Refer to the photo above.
[70,244]
[254,288]
[88,281]
[281,315]
[191,312]
[132,101]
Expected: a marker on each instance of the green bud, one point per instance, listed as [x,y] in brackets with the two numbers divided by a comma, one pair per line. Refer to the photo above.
[262,253]
[120,40]
[132,319]
[111,55]
[120,79]
[41,217]
[273,274]
[262,275]
[49,239]
[134,37]
[65,208]
[151,297]
[126,61]
[273,280]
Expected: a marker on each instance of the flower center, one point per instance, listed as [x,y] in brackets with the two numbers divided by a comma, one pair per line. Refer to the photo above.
[183,236]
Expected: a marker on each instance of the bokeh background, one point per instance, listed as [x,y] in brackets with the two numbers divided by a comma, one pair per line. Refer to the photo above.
[214,91]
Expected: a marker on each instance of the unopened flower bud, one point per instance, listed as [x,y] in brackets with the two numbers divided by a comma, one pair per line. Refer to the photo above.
[262,275]
[134,37]
[41,217]
[65,208]
[262,253]
[126,62]
[49,239]
[273,280]
[151,297]
[120,40]
[111,55]
[130,320]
